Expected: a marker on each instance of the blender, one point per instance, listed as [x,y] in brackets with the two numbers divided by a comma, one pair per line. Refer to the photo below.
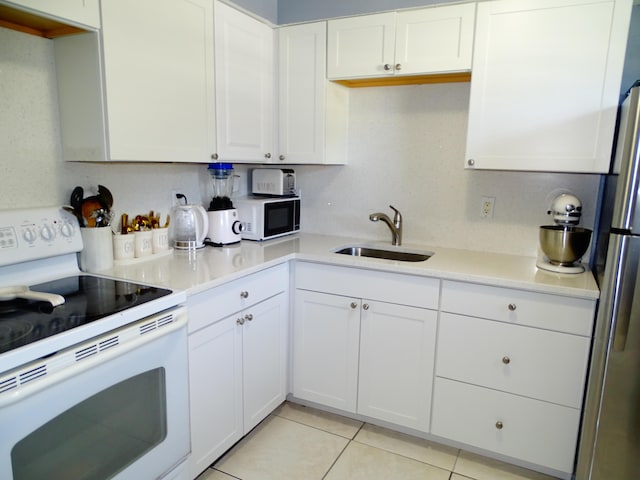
[564,243]
[224,224]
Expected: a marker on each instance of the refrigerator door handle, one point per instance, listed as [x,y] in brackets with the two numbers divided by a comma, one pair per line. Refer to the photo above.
[625,287]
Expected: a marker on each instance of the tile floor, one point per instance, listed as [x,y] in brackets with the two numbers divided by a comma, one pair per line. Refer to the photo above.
[302,443]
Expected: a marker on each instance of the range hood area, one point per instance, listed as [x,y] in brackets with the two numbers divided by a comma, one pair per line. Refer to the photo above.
[32,24]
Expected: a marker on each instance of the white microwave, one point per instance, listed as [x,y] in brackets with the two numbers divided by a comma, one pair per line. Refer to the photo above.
[265,218]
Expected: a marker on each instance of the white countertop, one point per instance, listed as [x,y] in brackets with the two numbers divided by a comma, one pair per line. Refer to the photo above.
[212,266]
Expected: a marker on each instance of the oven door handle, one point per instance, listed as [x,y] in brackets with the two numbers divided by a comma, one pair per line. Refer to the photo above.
[42,383]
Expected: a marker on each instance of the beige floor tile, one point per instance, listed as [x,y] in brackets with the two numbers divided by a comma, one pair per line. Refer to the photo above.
[212,474]
[281,449]
[482,468]
[336,424]
[408,446]
[362,462]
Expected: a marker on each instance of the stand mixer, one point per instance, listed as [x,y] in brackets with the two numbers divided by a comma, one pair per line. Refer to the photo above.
[224,224]
[564,243]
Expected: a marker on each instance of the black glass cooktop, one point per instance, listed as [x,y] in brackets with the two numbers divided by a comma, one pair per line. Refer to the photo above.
[87,299]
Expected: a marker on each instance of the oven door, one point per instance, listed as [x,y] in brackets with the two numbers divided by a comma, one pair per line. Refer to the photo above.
[120,413]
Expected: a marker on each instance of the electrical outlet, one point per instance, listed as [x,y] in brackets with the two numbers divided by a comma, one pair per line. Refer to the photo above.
[486,207]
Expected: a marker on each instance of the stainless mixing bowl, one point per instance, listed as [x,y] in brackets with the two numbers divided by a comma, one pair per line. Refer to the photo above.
[564,245]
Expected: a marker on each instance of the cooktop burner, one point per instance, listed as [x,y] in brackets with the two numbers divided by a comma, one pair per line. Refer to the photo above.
[87,299]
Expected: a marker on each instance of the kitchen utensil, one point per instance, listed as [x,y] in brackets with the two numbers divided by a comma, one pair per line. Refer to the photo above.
[224,227]
[191,225]
[564,243]
[20,291]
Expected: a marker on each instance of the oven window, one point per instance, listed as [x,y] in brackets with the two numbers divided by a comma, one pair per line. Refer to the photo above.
[99,437]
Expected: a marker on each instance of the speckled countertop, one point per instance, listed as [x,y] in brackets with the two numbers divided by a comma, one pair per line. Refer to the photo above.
[212,266]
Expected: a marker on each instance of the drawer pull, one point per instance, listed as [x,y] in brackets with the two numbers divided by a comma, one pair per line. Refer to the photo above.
[506,360]
[248,317]
[499,425]
[244,294]
[240,321]
[512,307]
[354,305]
[365,306]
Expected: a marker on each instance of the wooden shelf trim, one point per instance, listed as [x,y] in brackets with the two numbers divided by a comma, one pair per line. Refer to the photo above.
[405,80]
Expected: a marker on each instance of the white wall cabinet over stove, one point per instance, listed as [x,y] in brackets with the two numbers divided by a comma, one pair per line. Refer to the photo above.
[146,93]
[364,342]
[545,84]
[238,338]
[430,40]
[510,372]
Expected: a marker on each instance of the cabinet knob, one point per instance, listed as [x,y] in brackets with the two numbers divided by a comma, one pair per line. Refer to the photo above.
[506,360]
[387,67]
[398,66]
[365,306]
[499,425]
[244,294]
[281,157]
[512,307]
[248,317]
[240,321]
[471,162]
[267,155]
[214,156]
[354,305]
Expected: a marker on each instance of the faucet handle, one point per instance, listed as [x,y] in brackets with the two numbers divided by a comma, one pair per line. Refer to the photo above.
[397,217]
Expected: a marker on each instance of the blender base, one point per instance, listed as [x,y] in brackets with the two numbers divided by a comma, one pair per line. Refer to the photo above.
[545,264]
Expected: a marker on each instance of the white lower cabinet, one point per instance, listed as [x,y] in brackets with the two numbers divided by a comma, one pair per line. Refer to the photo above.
[237,364]
[360,354]
[510,372]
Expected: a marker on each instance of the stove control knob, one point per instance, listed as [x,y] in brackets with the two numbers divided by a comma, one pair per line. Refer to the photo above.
[67,230]
[47,233]
[29,235]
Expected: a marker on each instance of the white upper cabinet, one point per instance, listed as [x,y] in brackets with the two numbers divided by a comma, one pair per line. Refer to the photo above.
[313,113]
[545,84]
[82,12]
[430,40]
[244,86]
[149,94]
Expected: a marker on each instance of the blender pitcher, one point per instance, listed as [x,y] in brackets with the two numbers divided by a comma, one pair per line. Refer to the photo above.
[222,179]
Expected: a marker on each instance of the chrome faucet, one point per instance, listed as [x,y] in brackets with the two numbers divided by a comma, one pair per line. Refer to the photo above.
[395,226]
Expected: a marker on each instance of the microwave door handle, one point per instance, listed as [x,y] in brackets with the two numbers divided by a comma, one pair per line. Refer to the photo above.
[624,282]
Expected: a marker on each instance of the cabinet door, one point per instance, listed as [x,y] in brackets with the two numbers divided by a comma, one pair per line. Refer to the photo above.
[244,86]
[545,85]
[361,46]
[397,347]
[434,39]
[84,12]
[215,391]
[158,70]
[302,92]
[264,345]
[325,349]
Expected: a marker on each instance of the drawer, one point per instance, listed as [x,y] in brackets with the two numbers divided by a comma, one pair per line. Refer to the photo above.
[214,304]
[354,282]
[538,432]
[552,312]
[527,361]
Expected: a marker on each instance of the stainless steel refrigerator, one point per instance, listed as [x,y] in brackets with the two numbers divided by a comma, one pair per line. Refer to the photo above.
[609,447]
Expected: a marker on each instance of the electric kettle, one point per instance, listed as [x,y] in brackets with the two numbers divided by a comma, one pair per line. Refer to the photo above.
[190,226]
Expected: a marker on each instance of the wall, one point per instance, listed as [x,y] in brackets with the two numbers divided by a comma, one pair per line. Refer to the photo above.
[292,11]
[406,149]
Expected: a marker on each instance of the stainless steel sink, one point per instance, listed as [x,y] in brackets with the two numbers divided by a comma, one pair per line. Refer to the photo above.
[400,255]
